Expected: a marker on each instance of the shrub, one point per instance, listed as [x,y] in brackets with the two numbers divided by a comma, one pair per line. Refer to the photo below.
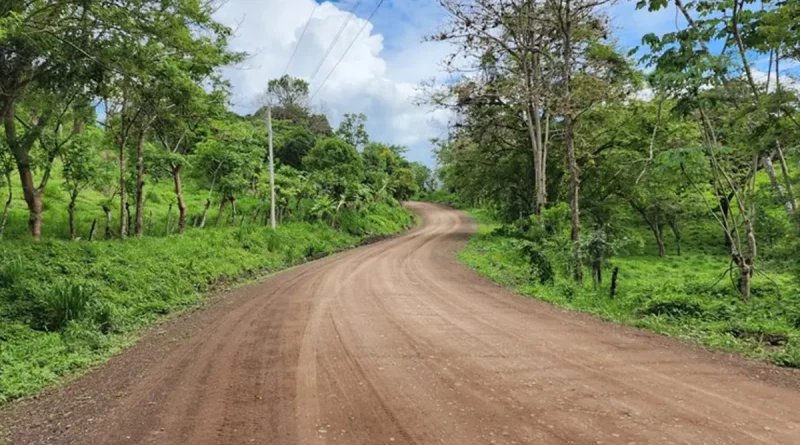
[107,317]
[11,273]
[61,304]
[673,306]
[788,355]
[540,266]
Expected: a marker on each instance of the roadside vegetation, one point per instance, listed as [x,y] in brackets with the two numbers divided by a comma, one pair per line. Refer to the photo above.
[654,186]
[129,188]
[682,296]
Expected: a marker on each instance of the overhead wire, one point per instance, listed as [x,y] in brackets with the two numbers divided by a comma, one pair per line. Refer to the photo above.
[350,16]
[369,19]
[299,40]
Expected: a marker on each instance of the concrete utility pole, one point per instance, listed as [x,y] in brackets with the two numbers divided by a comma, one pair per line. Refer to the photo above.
[271,172]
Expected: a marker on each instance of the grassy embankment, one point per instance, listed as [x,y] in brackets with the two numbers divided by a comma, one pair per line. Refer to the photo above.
[68,305]
[674,295]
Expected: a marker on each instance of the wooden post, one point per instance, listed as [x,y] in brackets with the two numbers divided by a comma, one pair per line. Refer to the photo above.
[614,274]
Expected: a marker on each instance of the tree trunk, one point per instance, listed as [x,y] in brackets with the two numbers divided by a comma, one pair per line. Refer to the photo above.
[569,139]
[176,178]
[574,201]
[205,213]
[73,233]
[659,239]
[725,209]
[33,198]
[787,179]
[745,280]
[534,130]
[542,143]
[745,275]
[20,149]
[597,277]
[4,218]
[221,210]
[107,211]
[233,209]
[91,231]
[776,185]
[169,217]
[676,230]
[535,150]
[747,268]
[128,213]
[654,224]
[139,227]
[123,193]
[614,274]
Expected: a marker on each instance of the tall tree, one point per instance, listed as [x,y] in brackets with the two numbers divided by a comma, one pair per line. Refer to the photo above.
[82,166]
[718,87]
[46,58]
[229,160]
[289,92]
[353,130]
[511,42]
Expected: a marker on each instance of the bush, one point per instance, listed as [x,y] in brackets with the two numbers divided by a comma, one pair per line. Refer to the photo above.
[541,268]
[12,273]
[789,355]
[673,306]
[61,304]
[439,197]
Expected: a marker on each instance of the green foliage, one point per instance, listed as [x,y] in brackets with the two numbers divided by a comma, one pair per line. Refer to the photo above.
[541,268]
[335,165]
[439,197]
[288,91]
[296,144]
[353,130]
[231,159]
[670,306]
[61,304]
[423,176]
[677,296]
[82,162]
[402,184]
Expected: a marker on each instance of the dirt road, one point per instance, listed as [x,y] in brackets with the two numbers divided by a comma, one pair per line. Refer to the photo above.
[395,343]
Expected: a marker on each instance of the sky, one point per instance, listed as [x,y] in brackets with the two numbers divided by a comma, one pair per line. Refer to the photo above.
[381,73]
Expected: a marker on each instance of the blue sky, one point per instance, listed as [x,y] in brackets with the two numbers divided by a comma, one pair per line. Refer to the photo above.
[385,65]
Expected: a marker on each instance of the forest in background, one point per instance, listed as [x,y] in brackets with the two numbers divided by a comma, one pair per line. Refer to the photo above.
[130,189]
[653,186]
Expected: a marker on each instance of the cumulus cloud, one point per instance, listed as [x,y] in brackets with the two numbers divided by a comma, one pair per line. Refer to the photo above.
[370,79]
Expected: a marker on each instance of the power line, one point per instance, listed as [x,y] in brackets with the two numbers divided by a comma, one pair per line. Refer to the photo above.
[369,19]
[302,34]
[350,15]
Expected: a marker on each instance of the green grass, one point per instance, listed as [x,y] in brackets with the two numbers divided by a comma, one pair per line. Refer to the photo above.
[158,195]
[674,295]
[438,197]
[66,306]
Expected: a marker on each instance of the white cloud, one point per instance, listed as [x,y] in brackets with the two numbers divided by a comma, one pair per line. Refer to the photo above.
[761,77]
[370,80]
